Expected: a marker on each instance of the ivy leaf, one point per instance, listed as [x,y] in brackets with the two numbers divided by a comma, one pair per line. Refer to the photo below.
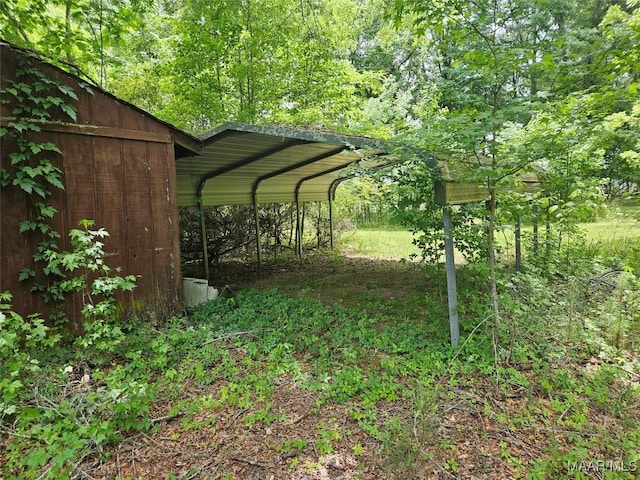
[35,148]
[26,274]
[32,172]
[50,147]
[69,110]
[46,210]
[41,191]
[40,114]
[3,131]
[18,157]
[27,226]
[68,91]
[21,126]
[25,184]
[24,87]
[54,179]
[86,87]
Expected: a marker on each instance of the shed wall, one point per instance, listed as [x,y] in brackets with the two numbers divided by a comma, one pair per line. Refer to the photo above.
[119,170]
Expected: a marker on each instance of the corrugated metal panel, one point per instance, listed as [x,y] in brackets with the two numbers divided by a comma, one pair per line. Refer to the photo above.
[237,157]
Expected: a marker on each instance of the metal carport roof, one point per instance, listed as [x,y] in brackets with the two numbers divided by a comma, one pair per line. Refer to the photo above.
[245,164]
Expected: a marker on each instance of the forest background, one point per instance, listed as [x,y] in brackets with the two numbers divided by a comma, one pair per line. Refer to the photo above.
[527,84]
[501,87]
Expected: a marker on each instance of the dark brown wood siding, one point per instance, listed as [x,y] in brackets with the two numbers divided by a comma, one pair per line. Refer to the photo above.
[119,170]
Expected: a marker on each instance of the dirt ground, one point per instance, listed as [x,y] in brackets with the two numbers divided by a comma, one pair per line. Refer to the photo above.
[330,279]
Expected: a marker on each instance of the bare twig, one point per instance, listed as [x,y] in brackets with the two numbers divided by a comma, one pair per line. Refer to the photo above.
[300,418]
[155,442]
[83,474]
[233,334]
[166,417]
[46,472]
[453,359]
[237,415]
[248,461]
[630,372]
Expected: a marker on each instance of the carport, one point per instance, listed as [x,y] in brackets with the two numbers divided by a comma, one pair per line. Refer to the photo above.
[242,164]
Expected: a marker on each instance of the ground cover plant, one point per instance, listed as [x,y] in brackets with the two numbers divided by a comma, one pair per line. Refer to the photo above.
[288,379]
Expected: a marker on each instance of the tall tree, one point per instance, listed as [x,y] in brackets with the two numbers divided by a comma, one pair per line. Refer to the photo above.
[278,61]
[81,33]
[483,59]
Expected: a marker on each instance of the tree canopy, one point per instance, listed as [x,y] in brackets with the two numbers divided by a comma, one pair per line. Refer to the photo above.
[521,82]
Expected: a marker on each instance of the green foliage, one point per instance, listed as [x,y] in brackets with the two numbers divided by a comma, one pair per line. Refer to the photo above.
[36,98]
[327,436]
[55,412]
[272,61]
[365,202]
[21,344]
[82,33]
[84,270]
[393,374]
[414,206]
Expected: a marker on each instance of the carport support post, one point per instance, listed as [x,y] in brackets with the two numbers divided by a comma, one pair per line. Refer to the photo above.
[298,234]
[257,220]
[451,277]
[535,229]
[330,222]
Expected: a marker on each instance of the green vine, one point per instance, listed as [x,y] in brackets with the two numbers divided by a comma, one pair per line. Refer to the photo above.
[36,99]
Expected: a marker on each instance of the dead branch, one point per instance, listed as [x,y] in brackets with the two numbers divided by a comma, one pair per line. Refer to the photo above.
[249,462]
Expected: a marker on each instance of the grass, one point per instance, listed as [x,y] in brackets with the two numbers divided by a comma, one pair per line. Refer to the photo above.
[617,234]
[379,393]
[378,243]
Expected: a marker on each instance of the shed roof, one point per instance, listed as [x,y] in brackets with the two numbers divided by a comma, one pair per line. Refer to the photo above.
[184,143]
[240,163]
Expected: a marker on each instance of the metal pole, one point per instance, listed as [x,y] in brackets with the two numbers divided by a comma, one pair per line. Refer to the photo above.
[275,230]
[257,220]
[330,222]
[518,244]
[203,236]
[452,291]
[304,211]
[547,233]
[298,236]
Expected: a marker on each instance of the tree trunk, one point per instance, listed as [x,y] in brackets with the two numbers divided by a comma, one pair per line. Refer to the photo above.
[492,270]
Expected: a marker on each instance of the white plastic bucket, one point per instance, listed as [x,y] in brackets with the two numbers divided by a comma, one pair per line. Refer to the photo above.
[194,291]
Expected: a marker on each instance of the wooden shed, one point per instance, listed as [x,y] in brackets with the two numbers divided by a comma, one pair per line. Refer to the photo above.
[118,167]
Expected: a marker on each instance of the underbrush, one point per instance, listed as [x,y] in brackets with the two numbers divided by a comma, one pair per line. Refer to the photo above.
[557,397]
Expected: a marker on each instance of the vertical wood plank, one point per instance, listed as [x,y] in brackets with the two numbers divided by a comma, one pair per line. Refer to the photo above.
[164,215]
[139,228]
[109,195]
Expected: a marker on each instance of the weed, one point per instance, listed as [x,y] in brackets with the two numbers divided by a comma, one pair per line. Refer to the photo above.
[326,438]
